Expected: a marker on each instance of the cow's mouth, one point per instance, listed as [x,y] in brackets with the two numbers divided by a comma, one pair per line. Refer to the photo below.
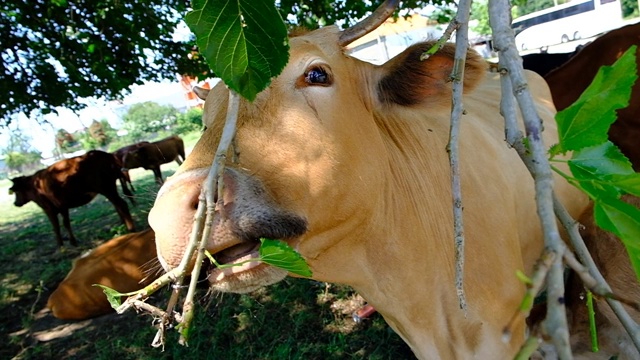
[247,274]
[236,259]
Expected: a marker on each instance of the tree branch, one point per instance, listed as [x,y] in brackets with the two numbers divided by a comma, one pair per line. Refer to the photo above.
[555,323]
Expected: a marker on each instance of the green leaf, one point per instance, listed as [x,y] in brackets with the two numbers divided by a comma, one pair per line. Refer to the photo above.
[586,122]
[623,220]
[113,296]
[594,168]
[630,183]
[279,254]
[602,160]
[244,41]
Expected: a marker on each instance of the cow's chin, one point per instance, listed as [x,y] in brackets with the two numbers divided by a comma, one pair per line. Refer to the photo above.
[244,278]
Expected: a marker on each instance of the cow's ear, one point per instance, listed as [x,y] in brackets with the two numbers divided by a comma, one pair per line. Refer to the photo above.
[407,80]
[201,92]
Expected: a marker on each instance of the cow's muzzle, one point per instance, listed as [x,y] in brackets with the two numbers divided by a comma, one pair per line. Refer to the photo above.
[243,215]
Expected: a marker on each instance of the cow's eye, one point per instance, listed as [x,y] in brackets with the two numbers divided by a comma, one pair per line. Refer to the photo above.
[317,76]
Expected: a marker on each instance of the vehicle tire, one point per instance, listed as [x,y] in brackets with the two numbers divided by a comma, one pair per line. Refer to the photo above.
[564,38]
[577,36]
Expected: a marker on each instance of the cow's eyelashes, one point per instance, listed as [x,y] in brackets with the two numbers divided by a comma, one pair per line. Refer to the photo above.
[317,75]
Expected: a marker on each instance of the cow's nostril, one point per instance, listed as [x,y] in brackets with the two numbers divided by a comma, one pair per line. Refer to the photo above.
[195,200]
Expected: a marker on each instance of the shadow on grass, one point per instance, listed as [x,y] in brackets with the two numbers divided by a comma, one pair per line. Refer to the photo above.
[294,319]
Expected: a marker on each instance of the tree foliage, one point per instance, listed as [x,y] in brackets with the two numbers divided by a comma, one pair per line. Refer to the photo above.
[98,135]
[480,15]
[56,51]
[189,121]
[142,120]
[313,14]
[629,8]
[19,153]
[523,7]
[65,141]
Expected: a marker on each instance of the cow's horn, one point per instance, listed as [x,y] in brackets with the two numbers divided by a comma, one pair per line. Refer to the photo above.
[380,15]
[201,92]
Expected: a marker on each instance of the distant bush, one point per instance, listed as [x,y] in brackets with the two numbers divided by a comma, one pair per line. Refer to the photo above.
[189,121]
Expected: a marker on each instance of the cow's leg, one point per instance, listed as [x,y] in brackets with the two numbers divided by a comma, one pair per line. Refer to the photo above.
[128,179]
[121,208]
[125,190]
[158,175]
[55,223]
[67,225]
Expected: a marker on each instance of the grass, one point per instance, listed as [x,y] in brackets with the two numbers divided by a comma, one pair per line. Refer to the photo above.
[294,319]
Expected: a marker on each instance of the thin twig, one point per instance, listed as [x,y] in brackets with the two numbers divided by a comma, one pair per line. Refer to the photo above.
[537,281]
[457,74]
[155,311]
[213,185]
[453,26]
[528,348]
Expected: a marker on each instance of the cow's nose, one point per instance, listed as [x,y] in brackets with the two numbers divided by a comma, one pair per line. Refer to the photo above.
[172,215]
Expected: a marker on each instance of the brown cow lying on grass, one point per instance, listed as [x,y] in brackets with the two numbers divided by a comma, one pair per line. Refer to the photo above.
[72,183]
[569,81]
[347,162]
[151,155]
[122,264]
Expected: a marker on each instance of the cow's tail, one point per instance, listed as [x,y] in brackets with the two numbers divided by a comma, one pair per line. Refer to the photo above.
[180,149]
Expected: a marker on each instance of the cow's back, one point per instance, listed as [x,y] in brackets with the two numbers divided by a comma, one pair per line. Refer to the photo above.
[75,182]
[168,149]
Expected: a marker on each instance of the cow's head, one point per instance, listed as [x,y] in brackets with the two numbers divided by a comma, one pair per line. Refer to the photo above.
[133,158]
[310,158]
[22,188]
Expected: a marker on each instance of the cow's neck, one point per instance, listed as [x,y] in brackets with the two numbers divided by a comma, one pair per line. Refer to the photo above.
[414,284]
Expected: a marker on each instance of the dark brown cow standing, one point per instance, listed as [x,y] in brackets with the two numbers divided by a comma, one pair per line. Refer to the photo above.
[121,153]
[569,81]
[543,63]
[151,155]
[72,183]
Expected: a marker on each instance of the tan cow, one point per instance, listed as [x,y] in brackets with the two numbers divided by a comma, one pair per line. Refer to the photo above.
[121,264]
[347,162]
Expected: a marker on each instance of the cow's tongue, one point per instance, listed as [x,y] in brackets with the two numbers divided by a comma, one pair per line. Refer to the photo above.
[235,252]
